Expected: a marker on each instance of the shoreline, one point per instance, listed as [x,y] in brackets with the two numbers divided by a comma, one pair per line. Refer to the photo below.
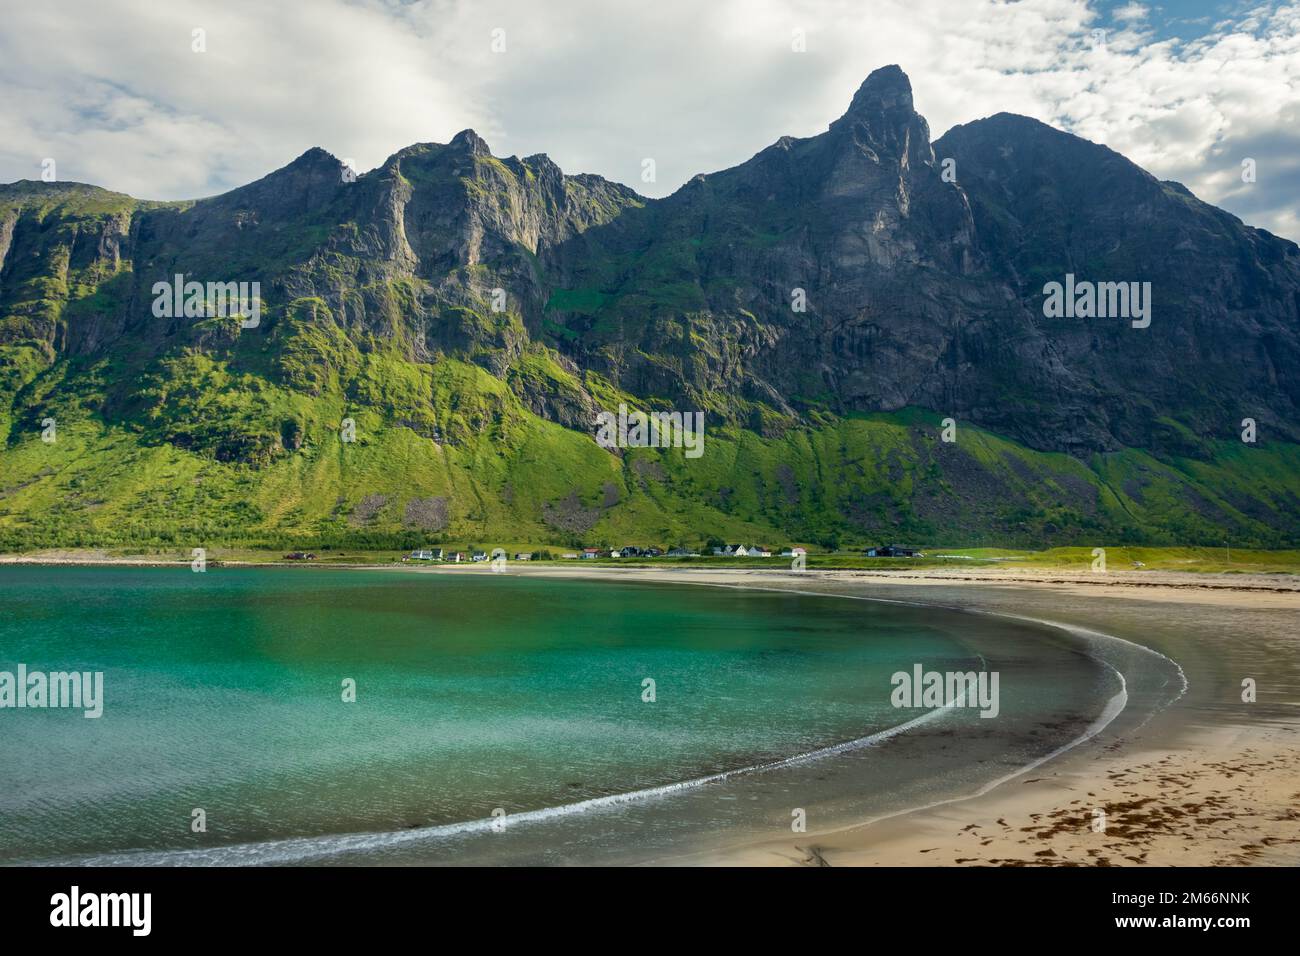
[1185,787]
[335,848]
[1209,780]
[1280,582]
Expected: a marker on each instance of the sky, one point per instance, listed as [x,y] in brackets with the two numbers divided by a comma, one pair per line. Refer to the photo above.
[118,93]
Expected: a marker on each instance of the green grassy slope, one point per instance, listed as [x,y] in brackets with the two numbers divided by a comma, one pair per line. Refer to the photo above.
[194,432]
[491,470]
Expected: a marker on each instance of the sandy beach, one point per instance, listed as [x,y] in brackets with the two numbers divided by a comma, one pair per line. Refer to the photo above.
[1208,780]
[1211,780]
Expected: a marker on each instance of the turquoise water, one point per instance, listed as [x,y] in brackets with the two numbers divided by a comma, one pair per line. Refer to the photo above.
[475,693]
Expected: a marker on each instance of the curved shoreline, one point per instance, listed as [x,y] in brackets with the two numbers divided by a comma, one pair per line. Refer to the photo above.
[303,849]
[1204,778]
[1114,707]
[292,850]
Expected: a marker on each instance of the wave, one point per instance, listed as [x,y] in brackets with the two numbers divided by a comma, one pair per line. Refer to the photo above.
[294,850]
[1092,640]
[303,849]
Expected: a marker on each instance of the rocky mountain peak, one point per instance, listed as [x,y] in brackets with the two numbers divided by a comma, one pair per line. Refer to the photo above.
[885,89]
[923,298]
[472,141]
[882,118]
[310,181]
[544,167]
[313,157]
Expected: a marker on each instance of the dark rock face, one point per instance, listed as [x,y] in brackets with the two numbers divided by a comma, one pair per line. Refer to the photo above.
[838,273]
[929,292]
[1222,344]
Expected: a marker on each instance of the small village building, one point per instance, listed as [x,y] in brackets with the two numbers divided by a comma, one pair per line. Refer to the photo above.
[892,551]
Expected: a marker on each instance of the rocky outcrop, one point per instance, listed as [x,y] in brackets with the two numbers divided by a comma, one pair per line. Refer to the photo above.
[862,269]
[923,271]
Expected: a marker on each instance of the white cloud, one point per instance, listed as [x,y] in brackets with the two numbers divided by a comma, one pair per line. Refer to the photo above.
[1131,11]
[116,95]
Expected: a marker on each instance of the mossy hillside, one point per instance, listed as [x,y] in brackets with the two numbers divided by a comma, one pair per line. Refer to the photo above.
[54,275]
[231,438]
[505,473]
[474,425]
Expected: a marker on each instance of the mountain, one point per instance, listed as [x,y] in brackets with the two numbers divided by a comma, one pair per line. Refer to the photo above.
[826,304]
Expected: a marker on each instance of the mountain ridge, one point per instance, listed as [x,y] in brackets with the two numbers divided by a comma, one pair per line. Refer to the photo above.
[474,305]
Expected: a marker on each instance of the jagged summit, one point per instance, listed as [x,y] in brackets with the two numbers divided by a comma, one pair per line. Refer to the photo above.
[314,156]
[468,139]
[887,88]
[882,118]
[312,162]
[309,181]
[920,290]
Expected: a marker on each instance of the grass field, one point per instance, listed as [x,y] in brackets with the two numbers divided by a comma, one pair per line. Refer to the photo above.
[1195,560]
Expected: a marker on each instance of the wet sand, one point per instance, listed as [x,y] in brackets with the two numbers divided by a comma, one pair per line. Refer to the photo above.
[1210,780]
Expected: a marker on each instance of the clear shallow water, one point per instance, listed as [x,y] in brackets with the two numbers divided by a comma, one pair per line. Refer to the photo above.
[477,692]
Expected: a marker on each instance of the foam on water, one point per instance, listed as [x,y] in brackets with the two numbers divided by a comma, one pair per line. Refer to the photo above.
[306,849]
